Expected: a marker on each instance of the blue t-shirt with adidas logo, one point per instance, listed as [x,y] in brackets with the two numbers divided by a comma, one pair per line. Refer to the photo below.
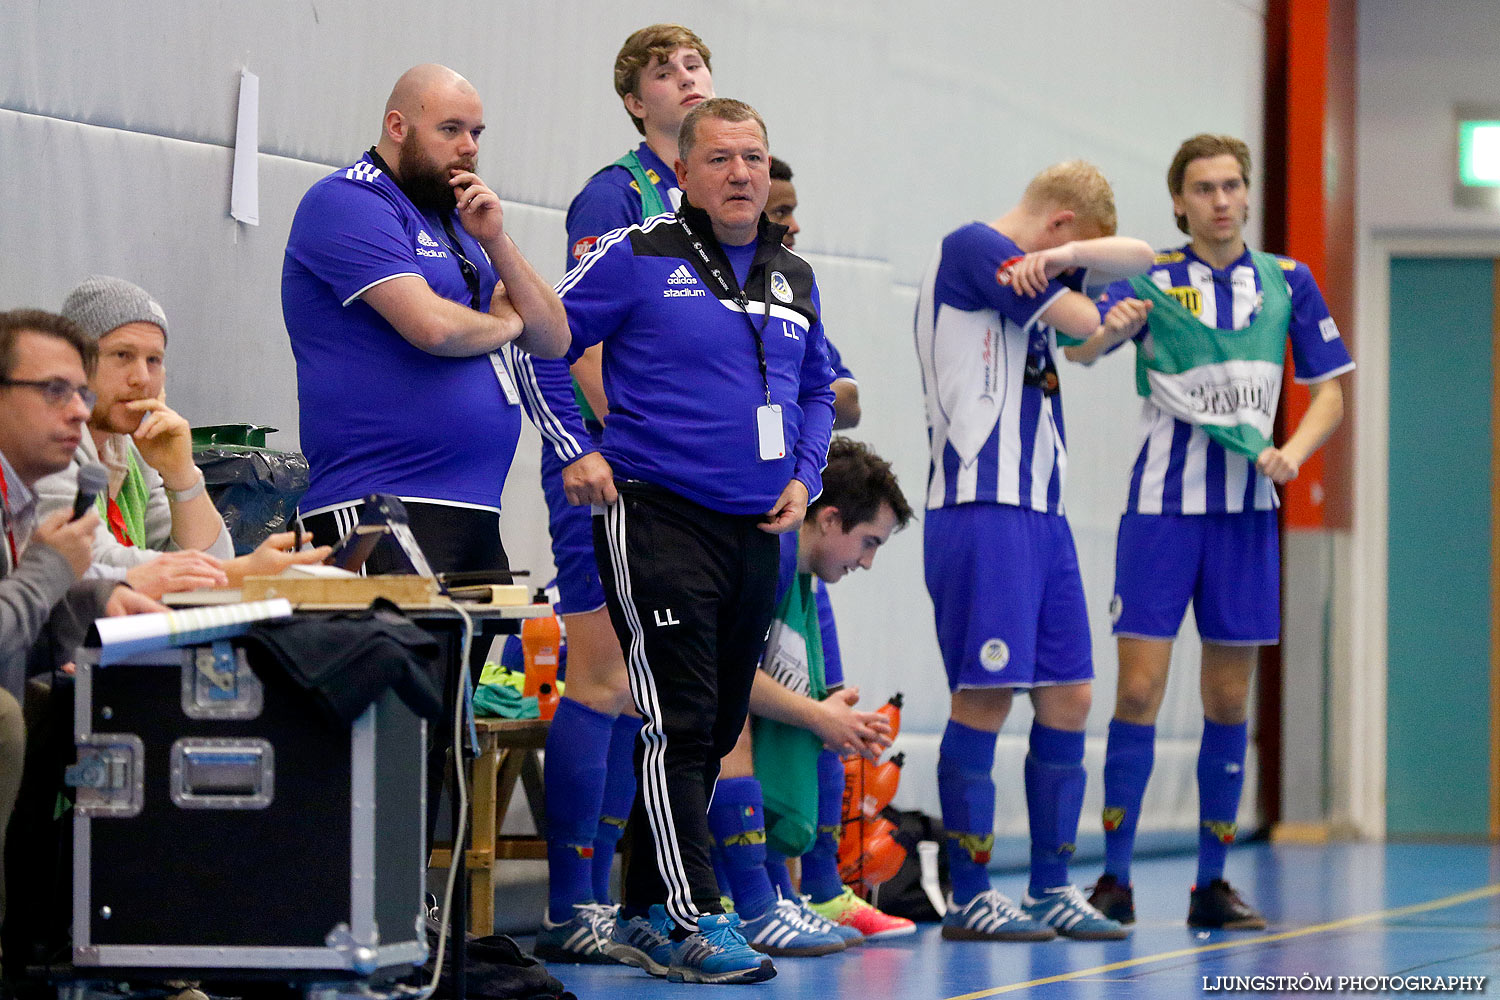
[378,414]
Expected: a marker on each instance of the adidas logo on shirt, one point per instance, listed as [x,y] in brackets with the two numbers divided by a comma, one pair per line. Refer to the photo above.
[429,247]
[682,276]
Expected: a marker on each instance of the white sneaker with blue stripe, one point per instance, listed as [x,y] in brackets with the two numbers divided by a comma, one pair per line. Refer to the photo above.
[991,916]
[1066,911]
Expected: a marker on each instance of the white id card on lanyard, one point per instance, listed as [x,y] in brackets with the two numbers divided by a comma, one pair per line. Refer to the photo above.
[769,430]
[502,374]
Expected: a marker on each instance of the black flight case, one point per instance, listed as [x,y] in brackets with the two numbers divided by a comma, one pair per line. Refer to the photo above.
[224,829]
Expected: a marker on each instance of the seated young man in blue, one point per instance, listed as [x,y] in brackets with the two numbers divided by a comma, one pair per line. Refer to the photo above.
[1200,520]
[1000,563]
[804,719]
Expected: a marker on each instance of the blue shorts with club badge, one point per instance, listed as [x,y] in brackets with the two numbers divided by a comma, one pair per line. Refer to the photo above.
[1007,597]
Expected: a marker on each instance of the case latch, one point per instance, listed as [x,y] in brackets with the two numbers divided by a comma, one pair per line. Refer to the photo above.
[109,775]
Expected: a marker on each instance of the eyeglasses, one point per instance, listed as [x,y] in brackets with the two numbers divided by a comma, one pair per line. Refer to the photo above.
[56,391]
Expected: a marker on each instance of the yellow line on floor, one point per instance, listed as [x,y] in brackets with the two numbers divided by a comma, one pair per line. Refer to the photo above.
[1244,942]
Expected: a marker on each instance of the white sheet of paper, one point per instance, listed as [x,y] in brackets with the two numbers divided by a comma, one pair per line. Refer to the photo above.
[244,194]
[127,634]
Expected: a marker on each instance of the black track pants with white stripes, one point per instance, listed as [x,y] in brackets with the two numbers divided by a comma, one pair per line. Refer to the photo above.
[690,592]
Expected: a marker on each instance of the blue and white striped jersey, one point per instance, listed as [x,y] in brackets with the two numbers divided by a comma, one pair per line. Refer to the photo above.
[1179,469]
[994,409]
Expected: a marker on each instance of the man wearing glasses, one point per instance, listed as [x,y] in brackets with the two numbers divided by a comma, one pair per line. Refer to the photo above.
[44,401]
[399,290]
[45,606]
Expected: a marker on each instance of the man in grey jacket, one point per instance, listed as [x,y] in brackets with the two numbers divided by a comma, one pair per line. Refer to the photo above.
[45,606]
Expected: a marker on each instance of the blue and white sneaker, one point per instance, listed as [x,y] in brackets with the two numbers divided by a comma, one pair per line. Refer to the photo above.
[991,916]
[717,953]
[580,938]
[851,936]
[643,942]
[1065,910]
[784,930]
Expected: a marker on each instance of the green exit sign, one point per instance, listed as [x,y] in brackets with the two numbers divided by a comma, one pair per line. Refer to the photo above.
[1479,153]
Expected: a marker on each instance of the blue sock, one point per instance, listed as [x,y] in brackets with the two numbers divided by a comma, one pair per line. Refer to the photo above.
[778,874]
[967,793]
[1221,778]
[1127,767]
[1054,798]
[737,820]
[577,744]
[820,865]
[619,795]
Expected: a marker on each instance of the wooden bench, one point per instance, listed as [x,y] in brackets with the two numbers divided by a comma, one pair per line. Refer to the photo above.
[507,753]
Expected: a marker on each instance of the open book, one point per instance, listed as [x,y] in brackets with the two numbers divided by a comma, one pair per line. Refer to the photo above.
[129,634]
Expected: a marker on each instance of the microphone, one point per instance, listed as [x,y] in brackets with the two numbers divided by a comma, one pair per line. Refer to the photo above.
[92,480]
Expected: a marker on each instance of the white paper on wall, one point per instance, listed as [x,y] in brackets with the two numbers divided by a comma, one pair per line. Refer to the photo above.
[244,194]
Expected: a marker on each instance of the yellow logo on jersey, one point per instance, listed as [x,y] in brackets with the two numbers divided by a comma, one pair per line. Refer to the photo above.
[1170,257]
[635,187]
[1190,297]
[1287,264]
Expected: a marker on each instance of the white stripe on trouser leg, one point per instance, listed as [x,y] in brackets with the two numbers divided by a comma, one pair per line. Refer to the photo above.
[655,794]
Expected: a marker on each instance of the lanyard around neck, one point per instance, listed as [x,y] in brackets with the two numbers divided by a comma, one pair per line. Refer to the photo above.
[737,294]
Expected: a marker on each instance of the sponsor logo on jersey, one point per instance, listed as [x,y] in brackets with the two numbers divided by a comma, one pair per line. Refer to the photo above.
[1245,392]
[780,287]
[1328,328]
[652,176]
[583,246]
[1287,264]
[425,240]
[1002,273]
[1170,257]
[1113,816]
[682,276]
[1188,297]
[994,655]
[683,293]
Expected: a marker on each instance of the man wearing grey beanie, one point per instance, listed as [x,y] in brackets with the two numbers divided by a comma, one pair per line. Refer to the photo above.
[159,532]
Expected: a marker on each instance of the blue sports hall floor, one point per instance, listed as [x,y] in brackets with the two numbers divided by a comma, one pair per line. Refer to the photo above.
[1401,911]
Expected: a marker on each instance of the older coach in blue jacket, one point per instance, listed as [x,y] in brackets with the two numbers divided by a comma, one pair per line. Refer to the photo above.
[720,413]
